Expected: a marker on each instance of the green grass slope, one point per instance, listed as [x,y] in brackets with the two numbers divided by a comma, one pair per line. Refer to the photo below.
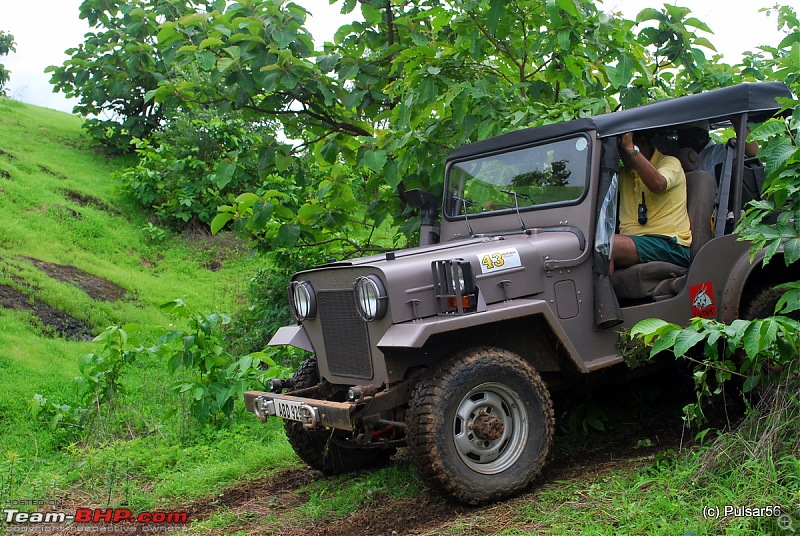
[62,227]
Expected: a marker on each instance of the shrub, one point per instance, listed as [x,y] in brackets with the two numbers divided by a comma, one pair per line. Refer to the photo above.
[193,166]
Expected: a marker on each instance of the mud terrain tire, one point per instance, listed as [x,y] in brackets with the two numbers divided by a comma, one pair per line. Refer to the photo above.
[481,426]
[762,304]
[328,450]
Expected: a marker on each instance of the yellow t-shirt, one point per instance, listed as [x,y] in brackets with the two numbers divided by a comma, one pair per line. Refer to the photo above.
[666,211]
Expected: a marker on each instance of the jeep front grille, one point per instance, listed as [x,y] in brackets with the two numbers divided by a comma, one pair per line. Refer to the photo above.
[345,334]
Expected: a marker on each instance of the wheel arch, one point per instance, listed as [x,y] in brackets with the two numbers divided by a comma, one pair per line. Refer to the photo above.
[531,337]
[747,278]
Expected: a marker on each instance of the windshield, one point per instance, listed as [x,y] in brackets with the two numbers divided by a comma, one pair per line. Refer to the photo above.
[545,174]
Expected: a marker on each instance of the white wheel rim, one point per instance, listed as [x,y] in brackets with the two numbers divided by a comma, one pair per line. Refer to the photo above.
[494,403]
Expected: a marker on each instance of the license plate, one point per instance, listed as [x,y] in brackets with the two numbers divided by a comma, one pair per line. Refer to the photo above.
[292,411]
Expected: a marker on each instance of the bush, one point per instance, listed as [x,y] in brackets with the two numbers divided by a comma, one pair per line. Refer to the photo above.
[193,166]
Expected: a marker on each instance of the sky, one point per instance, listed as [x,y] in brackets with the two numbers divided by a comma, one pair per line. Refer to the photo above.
[45,29]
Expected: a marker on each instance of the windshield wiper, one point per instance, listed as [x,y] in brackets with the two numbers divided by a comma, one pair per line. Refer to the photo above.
[464,203]
[516,204]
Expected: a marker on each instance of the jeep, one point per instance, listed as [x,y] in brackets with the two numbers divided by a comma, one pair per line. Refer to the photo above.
[452,348]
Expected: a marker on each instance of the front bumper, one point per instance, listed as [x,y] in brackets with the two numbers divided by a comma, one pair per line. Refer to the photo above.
[311,413]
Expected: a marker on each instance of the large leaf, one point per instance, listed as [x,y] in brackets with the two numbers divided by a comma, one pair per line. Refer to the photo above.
[375,159]
[219,221]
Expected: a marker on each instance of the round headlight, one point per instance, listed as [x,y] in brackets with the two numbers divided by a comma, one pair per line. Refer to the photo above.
[302,300]
[371,298]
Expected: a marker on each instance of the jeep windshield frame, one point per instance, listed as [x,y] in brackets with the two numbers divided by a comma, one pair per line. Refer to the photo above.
[532,177]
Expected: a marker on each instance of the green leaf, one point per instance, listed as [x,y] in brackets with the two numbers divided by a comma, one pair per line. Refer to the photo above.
[246,200]
[375,160]
[686,339]
[282,161]
[751,339]
[210,42]
[308,211]
[262,212]
[791,251]
[224,174]
[497,11]
[751,382]
[649,326]
[284,37]
[648,14]
[371,15]
[703,42]
[622,73]
[287,236]
[568,6]
[219,222]
[664,342]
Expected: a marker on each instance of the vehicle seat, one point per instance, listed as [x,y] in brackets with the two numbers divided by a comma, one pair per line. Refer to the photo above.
[659,280]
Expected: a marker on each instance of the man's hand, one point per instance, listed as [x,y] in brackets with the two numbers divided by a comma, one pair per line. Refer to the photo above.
[626,143]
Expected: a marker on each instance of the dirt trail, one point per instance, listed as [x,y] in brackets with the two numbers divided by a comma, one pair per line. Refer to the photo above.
[265,507]
[55,321]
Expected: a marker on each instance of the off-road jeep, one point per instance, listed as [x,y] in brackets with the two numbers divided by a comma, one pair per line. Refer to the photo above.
[452,347]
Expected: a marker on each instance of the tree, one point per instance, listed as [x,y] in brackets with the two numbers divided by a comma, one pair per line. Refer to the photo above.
[399,89]
[112,71]
[6,45]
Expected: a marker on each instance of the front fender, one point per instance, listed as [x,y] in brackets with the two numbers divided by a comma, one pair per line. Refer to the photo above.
[416,334]
[292,336]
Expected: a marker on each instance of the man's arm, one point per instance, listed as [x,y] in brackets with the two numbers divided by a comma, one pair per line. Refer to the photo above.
[751,147]
[650,176]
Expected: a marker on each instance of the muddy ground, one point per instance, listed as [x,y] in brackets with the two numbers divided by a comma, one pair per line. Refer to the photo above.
[578,458]
[636,430]
[20,297]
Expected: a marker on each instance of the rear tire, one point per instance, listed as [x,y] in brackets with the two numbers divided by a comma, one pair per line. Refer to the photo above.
[481,427]
[762,304]
[324,449]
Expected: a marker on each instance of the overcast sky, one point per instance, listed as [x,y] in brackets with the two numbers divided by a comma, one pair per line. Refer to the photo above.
[44,29]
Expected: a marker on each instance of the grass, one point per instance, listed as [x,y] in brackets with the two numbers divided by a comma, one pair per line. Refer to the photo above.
[58,204]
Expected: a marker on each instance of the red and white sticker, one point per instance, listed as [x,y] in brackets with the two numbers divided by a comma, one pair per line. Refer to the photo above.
[703,303]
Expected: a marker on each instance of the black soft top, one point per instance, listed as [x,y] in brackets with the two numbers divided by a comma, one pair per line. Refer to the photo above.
[758,100]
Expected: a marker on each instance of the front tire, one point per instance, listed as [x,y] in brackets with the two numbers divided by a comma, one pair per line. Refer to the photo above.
[329,450]
[481,427]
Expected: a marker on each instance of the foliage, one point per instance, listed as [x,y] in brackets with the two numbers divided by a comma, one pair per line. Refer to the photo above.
[6,46]
[215,379]
[193,165]
[380,107]
[781,190]
[99,386]
[767,344]
[772,226]
[117,64]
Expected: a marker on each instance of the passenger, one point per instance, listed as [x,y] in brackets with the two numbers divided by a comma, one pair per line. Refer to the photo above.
[711,154]
[654,221]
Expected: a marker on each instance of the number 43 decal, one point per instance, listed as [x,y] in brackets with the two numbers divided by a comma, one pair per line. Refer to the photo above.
[495,261]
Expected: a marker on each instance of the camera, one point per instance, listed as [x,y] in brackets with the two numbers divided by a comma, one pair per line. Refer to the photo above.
[642,212]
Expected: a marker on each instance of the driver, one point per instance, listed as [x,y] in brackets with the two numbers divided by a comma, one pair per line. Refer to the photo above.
[654,222]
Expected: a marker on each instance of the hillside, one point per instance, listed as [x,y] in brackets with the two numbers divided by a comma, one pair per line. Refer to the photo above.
[74,259]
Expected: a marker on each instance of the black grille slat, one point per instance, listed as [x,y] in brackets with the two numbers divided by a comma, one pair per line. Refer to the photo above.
[345,334]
